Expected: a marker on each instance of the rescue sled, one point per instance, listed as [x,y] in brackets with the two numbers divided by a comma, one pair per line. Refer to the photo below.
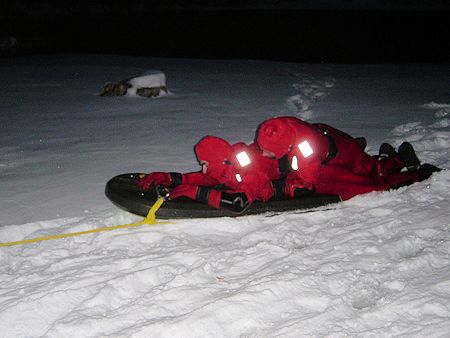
[124,191]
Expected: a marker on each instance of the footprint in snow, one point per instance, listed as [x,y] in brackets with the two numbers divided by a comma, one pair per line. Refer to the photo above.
[309,91]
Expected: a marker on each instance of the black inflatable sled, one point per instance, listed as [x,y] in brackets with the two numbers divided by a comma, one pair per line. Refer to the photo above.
[124,191]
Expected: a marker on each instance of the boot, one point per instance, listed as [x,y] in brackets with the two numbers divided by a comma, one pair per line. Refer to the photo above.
[386,150]
[426,170]
[408,156]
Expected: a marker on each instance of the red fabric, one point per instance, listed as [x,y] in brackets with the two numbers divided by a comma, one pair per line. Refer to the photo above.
[259,163]
[390,165]
[353,172]
[292,183]
[213,149]
[349,185]
[189,191]
[223,167]
[161,178]
[349,173]
[338,180]
[281,135]
[350,156]
[290,132]
[155,178]
[399,179]
[256,178]
[214,198]
[219,155]
[257,186]
[198,178]
[276,136]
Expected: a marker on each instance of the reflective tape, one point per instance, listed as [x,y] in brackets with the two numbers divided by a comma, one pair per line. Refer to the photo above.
[305,149]
[294,163]
[243,159]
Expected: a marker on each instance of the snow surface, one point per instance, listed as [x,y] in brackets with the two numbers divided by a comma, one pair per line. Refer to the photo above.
[374,266]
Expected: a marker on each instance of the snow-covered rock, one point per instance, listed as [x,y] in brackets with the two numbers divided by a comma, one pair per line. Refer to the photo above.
[150,84]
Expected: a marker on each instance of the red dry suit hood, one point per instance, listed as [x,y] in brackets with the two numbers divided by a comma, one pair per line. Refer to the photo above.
[274,135]
[219,155]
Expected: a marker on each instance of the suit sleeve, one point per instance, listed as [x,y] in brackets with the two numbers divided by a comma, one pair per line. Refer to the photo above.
[194,178]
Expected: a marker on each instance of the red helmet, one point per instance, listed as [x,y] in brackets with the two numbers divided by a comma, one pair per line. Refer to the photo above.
[274,135]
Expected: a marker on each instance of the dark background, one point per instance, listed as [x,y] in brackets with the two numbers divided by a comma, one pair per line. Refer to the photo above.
[333,32]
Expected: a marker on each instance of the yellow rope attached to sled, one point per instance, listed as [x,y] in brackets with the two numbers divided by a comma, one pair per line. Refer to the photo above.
[149,219]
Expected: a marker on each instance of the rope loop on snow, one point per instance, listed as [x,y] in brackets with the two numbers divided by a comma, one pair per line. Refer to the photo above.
[149,219]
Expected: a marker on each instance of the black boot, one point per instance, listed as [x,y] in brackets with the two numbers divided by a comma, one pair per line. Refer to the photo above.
[361,142]
[408,156]
[386,150]
[426,170]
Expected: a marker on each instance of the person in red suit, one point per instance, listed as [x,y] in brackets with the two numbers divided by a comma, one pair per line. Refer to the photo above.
[326,160]
[232,176]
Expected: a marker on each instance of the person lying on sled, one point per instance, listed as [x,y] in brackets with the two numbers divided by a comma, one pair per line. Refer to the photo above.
[329,161]
[232,177]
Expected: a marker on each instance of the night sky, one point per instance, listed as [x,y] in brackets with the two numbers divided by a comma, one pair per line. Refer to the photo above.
[298,31]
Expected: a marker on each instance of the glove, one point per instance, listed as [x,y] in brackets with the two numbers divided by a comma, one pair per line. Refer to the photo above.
[295,187]
[156,178]
[187,190]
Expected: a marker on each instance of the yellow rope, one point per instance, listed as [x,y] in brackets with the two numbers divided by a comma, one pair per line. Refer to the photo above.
[150,219]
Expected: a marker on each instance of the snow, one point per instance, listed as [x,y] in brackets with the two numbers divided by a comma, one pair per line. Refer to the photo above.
[374,266]
[150,79]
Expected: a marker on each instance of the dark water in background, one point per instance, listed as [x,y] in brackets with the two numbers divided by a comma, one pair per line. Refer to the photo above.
[282,35]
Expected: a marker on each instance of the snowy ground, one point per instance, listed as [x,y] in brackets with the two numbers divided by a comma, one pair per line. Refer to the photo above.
[374,266]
